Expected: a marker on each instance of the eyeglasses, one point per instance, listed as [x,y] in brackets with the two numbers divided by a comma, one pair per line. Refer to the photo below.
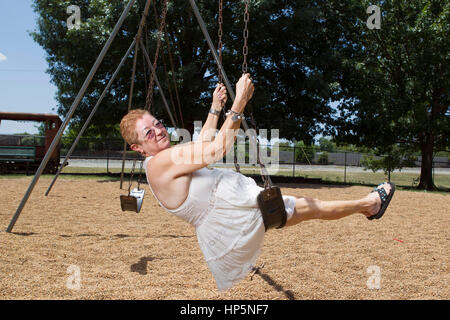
[150,134]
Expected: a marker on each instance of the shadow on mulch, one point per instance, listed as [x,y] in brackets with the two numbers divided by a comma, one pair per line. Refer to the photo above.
[287,293]
[141,266]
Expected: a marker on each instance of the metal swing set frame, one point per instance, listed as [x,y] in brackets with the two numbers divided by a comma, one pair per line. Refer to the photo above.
[133,201]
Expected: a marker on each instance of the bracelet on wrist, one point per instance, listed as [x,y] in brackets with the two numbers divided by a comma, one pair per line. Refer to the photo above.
[236,116]
[214,111]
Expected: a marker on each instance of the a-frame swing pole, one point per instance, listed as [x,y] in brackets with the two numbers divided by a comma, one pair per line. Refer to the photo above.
[69,115]
[158,84]
[213,50]
[133,73]
[91,115]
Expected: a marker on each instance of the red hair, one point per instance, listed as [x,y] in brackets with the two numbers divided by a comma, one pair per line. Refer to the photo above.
[128,125]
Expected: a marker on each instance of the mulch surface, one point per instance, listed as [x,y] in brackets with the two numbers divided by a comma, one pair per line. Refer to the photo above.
[79,227]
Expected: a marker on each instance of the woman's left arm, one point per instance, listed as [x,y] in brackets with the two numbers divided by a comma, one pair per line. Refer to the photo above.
[209,129]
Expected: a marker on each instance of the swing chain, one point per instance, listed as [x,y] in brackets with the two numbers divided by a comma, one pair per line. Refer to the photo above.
[140,175]
[265,177]
[245,34]
[244,63]
[219,74]
[149,98]
[131,176]
[220,44]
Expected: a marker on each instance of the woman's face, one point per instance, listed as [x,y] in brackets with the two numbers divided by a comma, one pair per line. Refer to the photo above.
[152,134]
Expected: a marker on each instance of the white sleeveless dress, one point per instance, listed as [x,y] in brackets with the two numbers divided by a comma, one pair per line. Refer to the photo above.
[222,206]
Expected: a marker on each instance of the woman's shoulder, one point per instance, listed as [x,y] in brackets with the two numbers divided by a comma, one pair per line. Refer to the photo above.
[158,162]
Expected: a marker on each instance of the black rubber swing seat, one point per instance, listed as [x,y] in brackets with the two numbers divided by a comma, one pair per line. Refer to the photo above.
[385,200]
[133,201]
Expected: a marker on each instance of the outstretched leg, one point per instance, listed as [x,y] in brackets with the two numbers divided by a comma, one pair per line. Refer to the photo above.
[309,208]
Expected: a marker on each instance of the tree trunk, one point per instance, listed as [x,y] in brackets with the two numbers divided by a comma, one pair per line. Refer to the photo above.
[426,170]
[189,126]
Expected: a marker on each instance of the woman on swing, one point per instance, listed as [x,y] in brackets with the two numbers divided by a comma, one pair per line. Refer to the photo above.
[222,204]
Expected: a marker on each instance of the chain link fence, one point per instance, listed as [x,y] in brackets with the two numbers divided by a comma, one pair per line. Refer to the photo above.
[104,156]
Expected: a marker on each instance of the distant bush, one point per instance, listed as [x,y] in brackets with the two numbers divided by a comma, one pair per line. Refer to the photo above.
[395,160]
[304,154]
[323,158]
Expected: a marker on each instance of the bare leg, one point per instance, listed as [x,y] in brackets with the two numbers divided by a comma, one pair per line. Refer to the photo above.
[309,208]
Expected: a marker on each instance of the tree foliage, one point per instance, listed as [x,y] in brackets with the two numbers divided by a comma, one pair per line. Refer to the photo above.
[397,159]
[394,88]
[290,58]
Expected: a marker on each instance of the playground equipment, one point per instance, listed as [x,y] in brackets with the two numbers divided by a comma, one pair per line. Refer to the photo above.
[133,201]
[136,42]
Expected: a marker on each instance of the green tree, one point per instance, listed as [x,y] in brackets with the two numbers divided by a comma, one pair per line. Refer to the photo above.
[304,153]
[394,90]
[290,58]
[71,53]
[397,159]
[326,144]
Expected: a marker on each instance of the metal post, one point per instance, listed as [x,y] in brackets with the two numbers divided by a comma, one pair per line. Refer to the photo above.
[88,120]
[75,104]
[345,167]
[293,165]
[224,75]
[432,167]
[389,167]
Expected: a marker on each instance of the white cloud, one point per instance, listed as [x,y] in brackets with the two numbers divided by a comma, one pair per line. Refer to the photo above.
[3,57]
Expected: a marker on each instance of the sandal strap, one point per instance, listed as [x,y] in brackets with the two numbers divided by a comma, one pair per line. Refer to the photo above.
[382,193]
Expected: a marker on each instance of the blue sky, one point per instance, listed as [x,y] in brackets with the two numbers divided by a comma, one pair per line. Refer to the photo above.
[24,85]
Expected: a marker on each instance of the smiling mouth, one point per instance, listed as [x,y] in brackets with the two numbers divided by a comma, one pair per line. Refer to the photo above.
[162,139]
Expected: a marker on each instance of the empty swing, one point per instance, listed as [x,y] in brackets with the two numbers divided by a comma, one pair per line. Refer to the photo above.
[133,201]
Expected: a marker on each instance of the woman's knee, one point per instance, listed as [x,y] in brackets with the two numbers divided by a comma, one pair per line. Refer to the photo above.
[305,209]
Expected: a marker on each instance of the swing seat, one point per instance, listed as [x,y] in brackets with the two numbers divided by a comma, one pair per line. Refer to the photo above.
[133,201]
[271,204]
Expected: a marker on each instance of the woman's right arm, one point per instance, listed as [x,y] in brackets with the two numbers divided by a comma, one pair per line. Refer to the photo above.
[189,157]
